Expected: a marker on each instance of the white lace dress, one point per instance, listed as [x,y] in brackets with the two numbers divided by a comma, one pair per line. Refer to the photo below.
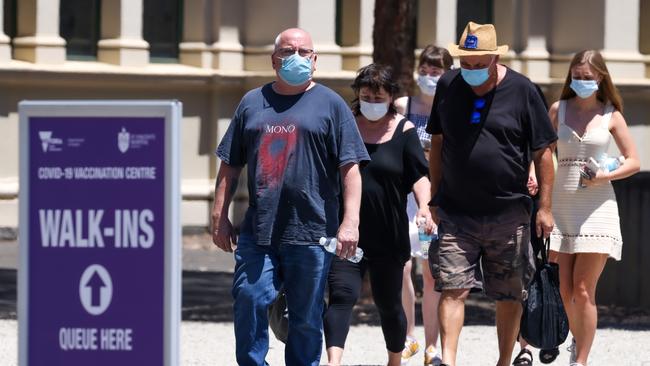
[586,219]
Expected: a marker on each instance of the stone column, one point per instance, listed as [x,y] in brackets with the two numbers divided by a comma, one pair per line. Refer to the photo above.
[571,33]
[227,50]
[357,21]
[621,39]
[445,19]
[121,33]
[319,19]
[197,33]
[426,27]
[508,23]
[38,37]
[263,21]
[266,19]
[535,56]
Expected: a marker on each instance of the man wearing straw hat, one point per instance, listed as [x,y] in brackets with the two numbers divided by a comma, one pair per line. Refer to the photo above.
[488,123]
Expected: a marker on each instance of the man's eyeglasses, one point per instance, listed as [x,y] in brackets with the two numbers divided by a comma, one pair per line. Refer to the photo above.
[288,51]
[479,104]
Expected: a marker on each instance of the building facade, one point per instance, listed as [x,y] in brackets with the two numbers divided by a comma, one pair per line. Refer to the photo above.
[208,53]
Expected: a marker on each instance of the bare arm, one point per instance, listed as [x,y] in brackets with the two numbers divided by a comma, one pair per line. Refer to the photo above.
[401,104]
[223,235]
[545,172]
[532,180]
[422,193]
[348,234]
[435,170]
[626,145]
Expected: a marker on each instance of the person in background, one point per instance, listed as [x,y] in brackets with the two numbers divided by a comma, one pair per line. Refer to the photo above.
[587,115]
[300,143]
[488,122]
[433,62]
[397,167]
[525,356]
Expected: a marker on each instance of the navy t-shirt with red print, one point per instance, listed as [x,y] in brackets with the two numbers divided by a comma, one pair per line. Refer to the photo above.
[293,147]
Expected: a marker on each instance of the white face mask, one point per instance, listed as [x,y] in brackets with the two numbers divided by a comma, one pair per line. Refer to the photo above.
[428,84]
[373,111]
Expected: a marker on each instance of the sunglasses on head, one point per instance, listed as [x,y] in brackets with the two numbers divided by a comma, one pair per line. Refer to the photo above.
[479,104]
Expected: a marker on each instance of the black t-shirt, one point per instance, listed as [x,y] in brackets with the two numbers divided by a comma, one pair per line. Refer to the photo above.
[485,164]
[394,167]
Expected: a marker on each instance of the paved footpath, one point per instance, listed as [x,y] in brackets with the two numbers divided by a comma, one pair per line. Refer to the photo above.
[207,276]
[213,344]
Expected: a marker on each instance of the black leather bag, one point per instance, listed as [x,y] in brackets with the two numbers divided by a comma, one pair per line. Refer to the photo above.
[544,323]
[279,317]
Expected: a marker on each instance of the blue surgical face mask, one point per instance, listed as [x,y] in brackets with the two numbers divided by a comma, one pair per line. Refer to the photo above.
[475,77]
[584,88]
[295,69]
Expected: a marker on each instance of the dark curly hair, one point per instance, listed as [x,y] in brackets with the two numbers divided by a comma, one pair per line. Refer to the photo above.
[374,77]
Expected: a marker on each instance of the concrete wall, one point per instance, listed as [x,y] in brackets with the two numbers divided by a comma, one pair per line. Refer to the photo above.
[225,51]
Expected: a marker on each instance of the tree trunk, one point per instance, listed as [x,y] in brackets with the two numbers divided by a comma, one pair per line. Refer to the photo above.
[394,39]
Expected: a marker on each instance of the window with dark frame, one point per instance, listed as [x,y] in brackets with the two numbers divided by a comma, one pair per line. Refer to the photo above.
[79,22]
[9,18]
[477,11]
[162,28]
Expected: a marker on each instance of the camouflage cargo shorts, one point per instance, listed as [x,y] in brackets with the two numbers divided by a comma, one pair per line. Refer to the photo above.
[492,253]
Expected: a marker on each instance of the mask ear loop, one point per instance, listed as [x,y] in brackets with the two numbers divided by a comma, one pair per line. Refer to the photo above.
[496,70]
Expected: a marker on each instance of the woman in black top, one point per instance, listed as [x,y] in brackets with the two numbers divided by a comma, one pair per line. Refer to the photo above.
[397,167]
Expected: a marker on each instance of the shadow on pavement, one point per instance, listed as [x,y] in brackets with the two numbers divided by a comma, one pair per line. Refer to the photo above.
[206,297]
[8,284]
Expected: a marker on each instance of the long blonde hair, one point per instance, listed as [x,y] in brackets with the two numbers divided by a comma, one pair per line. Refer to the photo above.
[607,92]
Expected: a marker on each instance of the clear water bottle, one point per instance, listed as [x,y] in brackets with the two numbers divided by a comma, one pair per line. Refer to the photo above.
[330,246]
[609,164]
[425,239]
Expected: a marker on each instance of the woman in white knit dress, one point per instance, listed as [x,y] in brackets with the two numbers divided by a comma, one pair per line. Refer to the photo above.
[587,229]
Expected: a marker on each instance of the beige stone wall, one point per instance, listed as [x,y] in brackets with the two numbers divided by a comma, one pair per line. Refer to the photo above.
[225,51]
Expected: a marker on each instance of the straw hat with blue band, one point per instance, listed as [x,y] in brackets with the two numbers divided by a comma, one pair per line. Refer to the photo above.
[477,40]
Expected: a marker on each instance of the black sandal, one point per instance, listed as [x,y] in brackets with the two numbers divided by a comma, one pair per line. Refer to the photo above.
[524,358]
[548,355]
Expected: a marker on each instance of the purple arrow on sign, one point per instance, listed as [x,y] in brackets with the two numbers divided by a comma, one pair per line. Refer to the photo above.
[95,283]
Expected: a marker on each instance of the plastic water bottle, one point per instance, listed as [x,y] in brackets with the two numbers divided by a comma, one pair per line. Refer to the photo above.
[425,239]
[330,246]
[609,164]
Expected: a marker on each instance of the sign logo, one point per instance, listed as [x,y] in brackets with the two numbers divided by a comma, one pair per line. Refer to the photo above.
[123,140]
[95,289]
[48,143]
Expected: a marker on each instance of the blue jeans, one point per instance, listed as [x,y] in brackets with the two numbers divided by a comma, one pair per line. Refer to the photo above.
[260,271]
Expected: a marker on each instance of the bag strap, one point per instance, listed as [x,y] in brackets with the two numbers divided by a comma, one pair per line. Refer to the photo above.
[544,251]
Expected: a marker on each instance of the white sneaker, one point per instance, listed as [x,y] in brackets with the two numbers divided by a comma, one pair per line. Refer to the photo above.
[576,364]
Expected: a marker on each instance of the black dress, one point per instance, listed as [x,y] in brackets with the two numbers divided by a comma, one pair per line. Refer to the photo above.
[383,235]
[387,179]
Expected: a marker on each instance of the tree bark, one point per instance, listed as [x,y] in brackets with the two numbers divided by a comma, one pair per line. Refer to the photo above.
[394,40]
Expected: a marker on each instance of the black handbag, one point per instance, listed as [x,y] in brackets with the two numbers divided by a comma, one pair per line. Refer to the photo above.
[544,323]
[279,317]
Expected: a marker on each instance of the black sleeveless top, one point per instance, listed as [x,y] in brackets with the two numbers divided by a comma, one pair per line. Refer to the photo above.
[394,167]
